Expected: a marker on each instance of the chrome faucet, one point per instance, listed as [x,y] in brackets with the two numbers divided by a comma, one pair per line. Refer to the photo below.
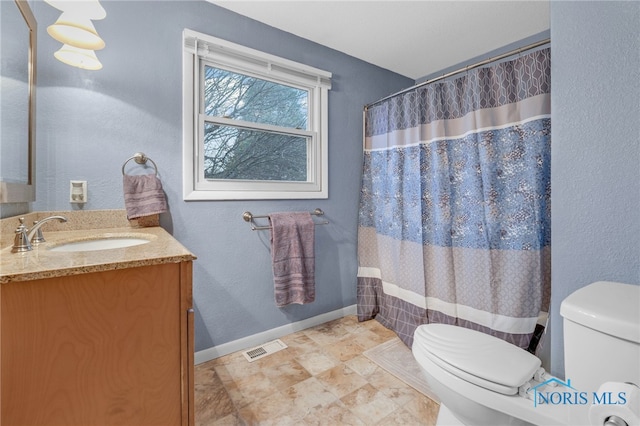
[25,238]
[35,235]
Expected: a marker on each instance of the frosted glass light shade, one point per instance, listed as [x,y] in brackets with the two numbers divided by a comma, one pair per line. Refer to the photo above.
[76,31]
[76,57]
[91,9]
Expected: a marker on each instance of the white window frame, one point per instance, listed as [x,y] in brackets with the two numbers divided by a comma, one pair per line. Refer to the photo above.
[199,49]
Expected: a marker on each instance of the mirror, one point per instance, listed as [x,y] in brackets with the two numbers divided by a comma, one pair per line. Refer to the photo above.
[18,36]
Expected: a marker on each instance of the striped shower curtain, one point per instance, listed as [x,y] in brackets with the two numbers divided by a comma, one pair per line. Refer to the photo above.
[454,221]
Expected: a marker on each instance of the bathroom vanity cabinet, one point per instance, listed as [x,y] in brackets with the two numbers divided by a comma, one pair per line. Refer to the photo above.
[112,347]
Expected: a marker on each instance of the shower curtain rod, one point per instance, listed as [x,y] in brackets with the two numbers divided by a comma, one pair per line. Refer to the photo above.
[467,68]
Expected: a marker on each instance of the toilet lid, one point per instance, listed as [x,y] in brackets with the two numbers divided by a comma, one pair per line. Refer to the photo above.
[477,357]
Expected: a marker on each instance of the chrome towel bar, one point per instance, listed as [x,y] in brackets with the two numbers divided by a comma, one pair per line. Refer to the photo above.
[248,217]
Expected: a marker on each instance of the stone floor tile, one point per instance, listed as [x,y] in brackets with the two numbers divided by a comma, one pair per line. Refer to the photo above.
[310,394]
[345,349]
[341,380]
[362,365]
[286,374]
[333,414]
[423,408]
[369,404]
[317,362]
[402,417]
[276,408]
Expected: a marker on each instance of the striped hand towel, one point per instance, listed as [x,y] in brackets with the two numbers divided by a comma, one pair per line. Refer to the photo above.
[143,196]
[292,253]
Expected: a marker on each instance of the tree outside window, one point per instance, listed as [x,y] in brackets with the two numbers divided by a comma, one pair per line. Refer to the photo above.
[238,152]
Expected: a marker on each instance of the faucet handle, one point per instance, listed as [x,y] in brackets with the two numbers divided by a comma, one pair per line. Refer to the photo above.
[38,237]
[21,240]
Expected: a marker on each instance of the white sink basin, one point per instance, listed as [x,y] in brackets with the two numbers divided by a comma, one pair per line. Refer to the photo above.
[105,243]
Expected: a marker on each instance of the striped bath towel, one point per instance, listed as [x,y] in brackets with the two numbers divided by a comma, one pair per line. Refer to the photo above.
[143,196]
[292,253]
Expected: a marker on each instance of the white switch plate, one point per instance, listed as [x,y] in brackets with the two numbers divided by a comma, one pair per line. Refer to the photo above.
[78,191]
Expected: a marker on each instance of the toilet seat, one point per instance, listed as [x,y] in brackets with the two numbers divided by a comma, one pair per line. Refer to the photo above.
[476,357]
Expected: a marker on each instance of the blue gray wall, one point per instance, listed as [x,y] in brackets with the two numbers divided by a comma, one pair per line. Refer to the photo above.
[89,123]
[595,170]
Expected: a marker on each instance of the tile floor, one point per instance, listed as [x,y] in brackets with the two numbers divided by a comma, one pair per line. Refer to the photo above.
[322,378]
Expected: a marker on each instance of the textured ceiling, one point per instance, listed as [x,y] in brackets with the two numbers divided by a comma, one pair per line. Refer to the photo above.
[412,38]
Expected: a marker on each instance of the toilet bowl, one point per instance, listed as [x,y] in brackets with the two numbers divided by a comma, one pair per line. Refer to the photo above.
[483,380]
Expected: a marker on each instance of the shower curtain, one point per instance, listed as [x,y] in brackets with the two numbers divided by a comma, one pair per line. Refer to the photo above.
[454,220]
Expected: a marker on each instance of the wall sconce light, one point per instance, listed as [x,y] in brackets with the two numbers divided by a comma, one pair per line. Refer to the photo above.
[76,31]
[77,57]
[90,9]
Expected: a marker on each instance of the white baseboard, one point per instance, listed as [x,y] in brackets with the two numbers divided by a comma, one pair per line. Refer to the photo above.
[275,333]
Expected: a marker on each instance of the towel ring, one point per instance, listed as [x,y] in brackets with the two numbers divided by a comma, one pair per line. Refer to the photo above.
[140,158]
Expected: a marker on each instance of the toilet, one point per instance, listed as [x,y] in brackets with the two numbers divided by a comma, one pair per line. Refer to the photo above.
[483,380]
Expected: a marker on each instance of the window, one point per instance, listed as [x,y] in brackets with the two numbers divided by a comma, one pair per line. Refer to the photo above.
[255,125]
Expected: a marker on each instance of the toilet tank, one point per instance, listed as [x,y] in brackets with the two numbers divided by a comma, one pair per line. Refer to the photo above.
[602,335]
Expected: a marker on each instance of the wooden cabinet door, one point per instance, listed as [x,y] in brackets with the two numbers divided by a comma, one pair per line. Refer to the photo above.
[102,348]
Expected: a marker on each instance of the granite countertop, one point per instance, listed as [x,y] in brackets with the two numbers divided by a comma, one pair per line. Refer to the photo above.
[41,262]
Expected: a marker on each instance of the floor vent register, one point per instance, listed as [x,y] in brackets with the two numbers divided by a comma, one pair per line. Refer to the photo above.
[264,350]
